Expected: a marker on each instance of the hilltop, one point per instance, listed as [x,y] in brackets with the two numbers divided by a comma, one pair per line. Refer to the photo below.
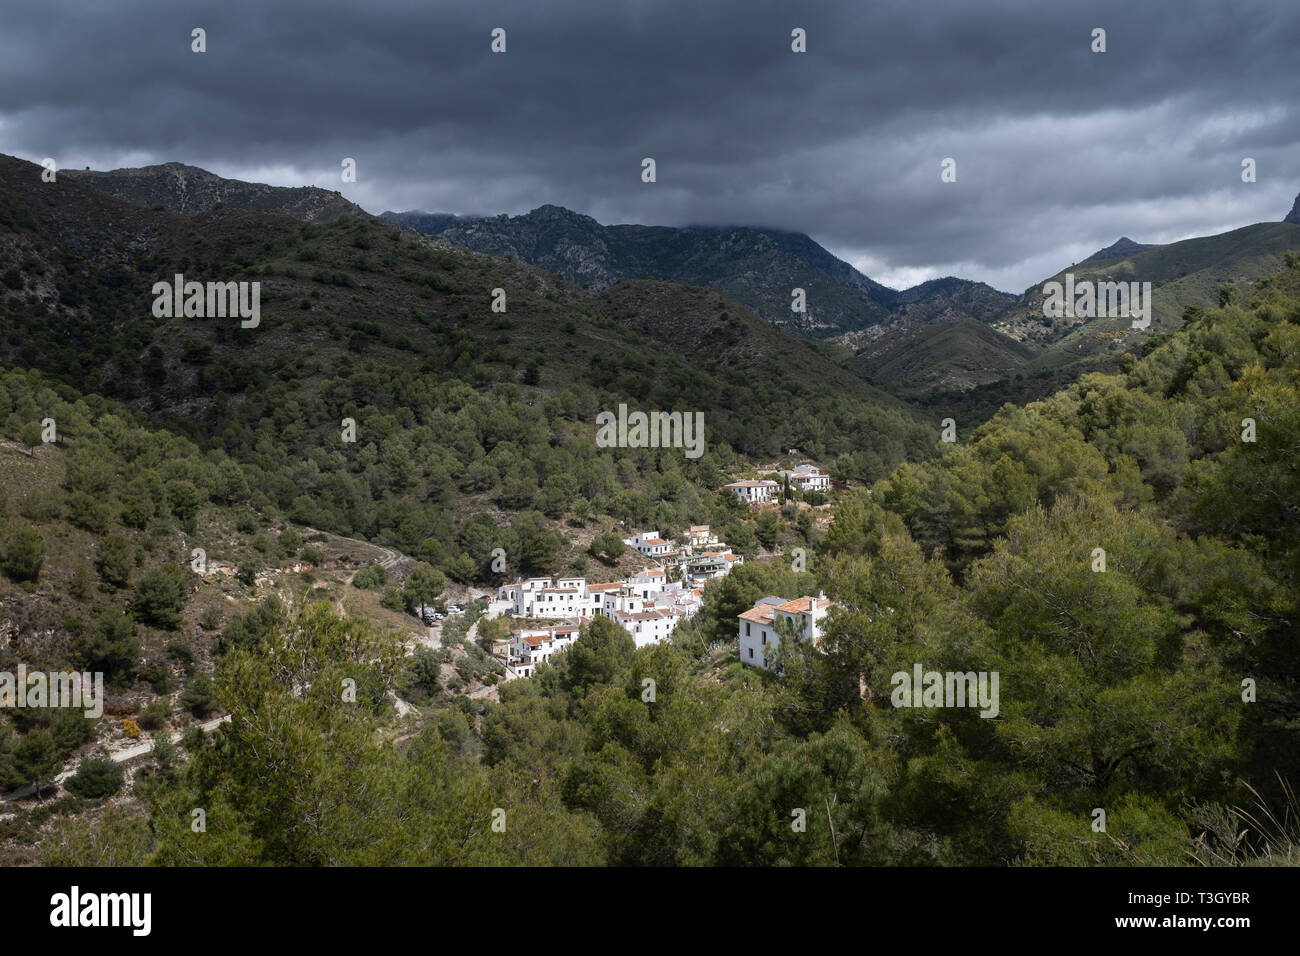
[189,189]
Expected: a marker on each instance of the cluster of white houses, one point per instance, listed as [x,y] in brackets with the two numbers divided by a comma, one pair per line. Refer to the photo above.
[647,605]
[649,610]
[804,477]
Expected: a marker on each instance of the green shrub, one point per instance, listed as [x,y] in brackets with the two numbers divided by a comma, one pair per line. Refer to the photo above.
[160,597]
[24,555]
[114,559]
[155,714]
[197,697]
[95,778]
[370,578]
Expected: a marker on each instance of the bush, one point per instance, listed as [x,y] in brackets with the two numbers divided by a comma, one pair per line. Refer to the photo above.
[370,578]
[79,583]
[608,547]
[197,697]
[160,597]
[42,504]
[393,600]
[24,554]
[93,514]
[158,677]
[290,541]
[95,777]
[184,500]
[112,645]
[164,752]
[421,680]
[155,714]
[194,739]
[113,560]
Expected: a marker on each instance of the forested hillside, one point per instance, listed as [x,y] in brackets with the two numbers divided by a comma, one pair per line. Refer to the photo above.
[131,440]
[458,408]
[1159,686]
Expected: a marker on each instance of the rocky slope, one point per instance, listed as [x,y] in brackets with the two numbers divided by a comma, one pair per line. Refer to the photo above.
[189,189]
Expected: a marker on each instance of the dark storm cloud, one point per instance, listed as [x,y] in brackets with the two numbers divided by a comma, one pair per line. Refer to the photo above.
[1059,150]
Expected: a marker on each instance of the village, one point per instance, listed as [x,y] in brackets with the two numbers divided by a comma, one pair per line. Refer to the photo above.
[650,604]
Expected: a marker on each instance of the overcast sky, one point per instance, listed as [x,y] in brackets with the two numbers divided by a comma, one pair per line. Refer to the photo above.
[1059,150]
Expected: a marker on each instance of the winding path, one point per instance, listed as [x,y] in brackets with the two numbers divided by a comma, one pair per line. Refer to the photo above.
[121,756]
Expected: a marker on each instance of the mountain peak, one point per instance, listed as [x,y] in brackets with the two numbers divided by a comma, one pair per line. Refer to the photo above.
[1294,215]
[1121,248]
[553,213]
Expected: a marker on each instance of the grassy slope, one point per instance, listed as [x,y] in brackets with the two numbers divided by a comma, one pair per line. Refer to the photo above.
[960,355]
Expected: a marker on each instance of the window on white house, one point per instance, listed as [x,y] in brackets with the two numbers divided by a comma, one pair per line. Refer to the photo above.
[747,629]
[751,653]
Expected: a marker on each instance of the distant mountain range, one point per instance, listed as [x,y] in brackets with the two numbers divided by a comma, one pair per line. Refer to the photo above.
[755,266]
[343,292]
[915,342]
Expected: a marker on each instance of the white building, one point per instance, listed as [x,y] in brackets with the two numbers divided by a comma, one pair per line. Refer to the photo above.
[700,536]
[808,478]
[650,544]
[754,492]
[680,599]
[538,646]
[647,626]
[543,597]
[758,632]
[648,582]
[709,564]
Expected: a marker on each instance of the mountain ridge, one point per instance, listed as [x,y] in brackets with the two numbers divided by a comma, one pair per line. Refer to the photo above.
[188,189]
[757,266]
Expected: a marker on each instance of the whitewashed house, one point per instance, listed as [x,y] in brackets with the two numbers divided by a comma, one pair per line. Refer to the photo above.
[754,492]
[709,564]
[650,544]
[529,648]
[542,597]
[648,626]
[680,599]
[648,582]
[758,631]
[699,536]
[808,478]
